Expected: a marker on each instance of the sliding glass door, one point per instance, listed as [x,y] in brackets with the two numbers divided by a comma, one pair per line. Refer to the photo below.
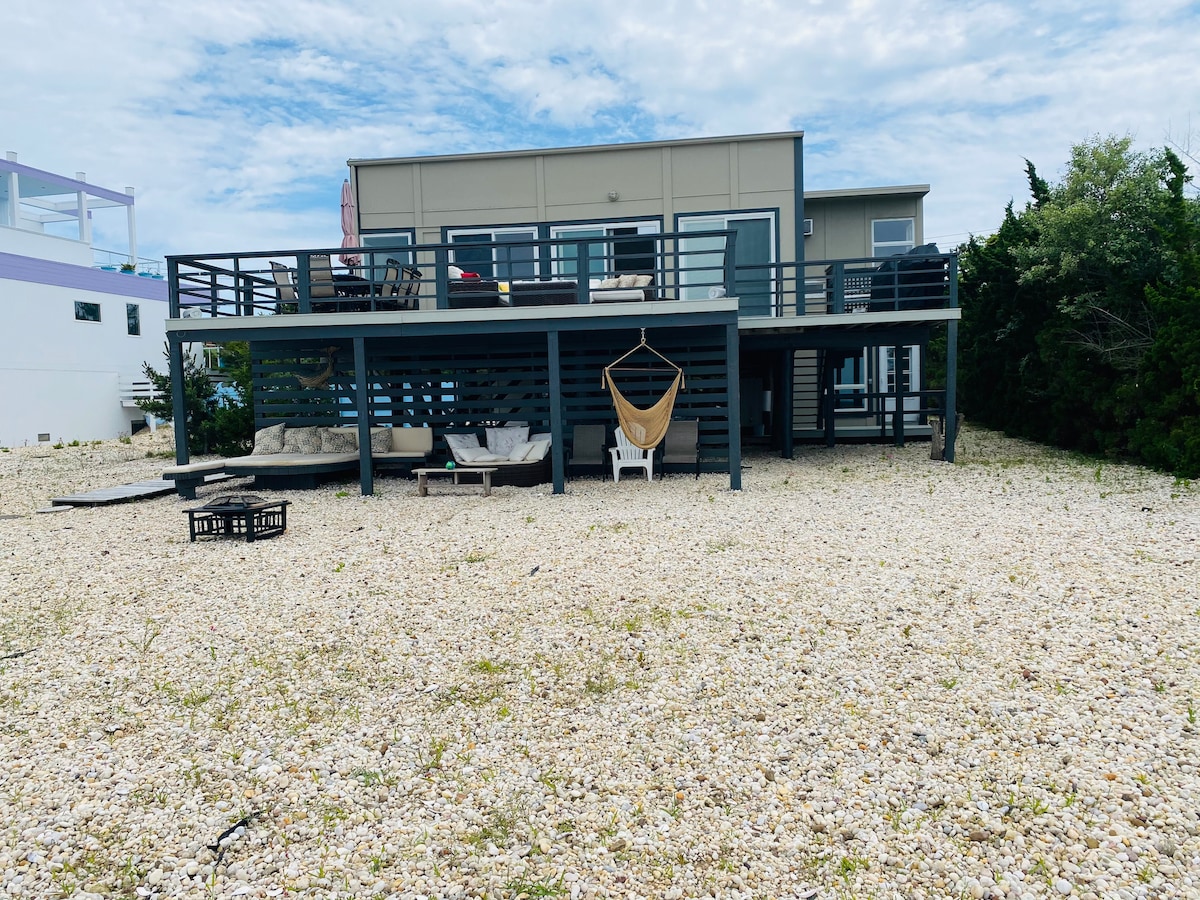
[701,259]
[621,248]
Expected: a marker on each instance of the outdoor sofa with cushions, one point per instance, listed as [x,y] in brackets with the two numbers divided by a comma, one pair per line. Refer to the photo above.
[522,458]
[622,288]
[301,457]
[543,293]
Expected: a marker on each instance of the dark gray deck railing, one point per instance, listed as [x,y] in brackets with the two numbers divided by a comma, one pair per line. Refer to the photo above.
[545,271]
[243,284]
[836,286]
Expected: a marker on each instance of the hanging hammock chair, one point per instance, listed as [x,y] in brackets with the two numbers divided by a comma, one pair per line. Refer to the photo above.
[645,428]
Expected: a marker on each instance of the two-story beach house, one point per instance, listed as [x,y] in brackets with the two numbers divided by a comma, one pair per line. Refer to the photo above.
[495,287]
[75,330]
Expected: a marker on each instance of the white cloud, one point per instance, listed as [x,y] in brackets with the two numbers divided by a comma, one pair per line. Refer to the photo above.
[234,120]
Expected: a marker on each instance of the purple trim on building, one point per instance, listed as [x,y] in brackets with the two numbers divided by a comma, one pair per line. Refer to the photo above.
[70,184]
[44,271]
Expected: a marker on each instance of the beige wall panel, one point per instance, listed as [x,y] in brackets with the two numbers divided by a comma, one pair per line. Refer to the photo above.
[841,229]
[384,190]
[764,166]
[700,172]
[705,204]
[605,212]
[586,178]
[386,221]
[465,218]
[891,208]
[495,184]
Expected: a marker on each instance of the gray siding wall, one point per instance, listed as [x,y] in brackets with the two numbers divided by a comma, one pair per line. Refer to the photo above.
[842,225]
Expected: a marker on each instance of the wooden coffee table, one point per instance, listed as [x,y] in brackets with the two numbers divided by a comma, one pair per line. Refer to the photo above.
[484,473]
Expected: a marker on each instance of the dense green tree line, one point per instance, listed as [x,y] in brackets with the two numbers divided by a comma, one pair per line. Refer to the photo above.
[1081,314]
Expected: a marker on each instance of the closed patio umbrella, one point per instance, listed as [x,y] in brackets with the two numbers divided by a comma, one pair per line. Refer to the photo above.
[349,225]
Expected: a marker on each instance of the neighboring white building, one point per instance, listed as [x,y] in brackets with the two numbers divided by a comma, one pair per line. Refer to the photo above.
[75,331]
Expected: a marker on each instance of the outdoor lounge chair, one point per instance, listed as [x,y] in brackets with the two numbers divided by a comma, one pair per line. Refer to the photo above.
[627,455]
[682,444]
[587,448]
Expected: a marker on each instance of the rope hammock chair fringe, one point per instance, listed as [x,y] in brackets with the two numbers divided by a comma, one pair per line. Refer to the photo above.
[645,428]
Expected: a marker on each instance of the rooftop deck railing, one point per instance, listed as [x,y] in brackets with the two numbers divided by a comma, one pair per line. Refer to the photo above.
[514,273]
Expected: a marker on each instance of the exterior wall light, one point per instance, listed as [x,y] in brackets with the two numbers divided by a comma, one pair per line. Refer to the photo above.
[614,196]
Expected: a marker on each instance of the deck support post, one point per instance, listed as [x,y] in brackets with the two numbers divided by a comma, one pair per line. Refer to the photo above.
[178,403]
[786,403]
[366,477]
[732,376]
[898,395]
[951,389]
[828,376]
[557,451]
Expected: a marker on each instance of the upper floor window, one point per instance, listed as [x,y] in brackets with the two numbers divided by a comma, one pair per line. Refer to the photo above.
[374,265]
[87,312]
[507,263]
[890,237]
[133,318]
[628,248]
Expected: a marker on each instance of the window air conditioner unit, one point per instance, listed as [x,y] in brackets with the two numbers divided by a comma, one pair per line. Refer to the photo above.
[808,229]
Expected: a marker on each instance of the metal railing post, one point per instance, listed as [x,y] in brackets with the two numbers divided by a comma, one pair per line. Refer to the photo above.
[441,277]
[303,283]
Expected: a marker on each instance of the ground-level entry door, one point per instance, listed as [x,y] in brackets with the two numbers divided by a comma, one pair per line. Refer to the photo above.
[910,378]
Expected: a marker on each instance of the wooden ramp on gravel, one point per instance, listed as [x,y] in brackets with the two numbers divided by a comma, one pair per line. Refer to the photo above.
[123,493]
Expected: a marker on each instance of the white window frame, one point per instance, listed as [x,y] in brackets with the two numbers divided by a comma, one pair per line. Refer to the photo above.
[883,249]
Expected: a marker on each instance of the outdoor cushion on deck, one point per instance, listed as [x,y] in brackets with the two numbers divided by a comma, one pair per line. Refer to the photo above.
[284,461]
[197,468]
[623,288]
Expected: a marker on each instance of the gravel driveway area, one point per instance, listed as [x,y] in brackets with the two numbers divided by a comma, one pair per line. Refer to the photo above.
[867,674]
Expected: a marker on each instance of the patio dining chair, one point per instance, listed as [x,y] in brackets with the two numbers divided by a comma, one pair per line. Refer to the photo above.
[285,287]
[681,446]
[628,455]
[320,281]
[587,448]
[401,286]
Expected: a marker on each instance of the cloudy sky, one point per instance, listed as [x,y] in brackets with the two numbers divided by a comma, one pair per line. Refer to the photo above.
[234,120]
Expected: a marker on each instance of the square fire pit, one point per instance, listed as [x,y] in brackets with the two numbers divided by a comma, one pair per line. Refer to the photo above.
[237,515]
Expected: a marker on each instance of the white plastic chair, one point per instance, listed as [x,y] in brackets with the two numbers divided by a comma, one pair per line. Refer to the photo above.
[627,455]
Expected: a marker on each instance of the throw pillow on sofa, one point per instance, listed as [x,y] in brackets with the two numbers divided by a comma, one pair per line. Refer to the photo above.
[469,454]
[459,442]
[501,441]
[268,440]
[302,440]
[519,452]
[339,440]
[381,440]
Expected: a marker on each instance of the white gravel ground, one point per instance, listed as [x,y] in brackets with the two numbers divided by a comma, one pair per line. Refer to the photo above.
[865,675]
